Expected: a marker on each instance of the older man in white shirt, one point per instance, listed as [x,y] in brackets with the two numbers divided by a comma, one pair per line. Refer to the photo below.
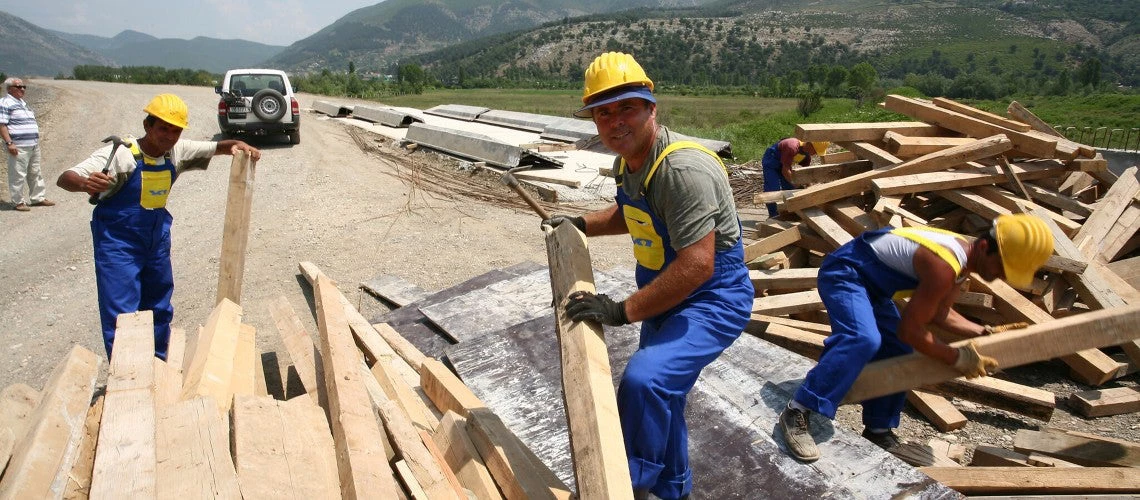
[21,137]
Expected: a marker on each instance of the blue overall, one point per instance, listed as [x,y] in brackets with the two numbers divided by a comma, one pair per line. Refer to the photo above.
[674,347]
[132,255]
[857,289]
[773,175]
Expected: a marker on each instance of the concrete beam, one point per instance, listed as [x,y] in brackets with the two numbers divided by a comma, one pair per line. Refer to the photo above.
[386,116]
[331,109]
[458,111]
[476,146]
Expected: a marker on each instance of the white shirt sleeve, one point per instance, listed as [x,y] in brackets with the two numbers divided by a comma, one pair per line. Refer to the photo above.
[185,153]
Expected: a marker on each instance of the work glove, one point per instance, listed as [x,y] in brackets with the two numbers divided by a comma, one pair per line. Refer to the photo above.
[972,364]
[992,329]
[555,220]
[585,306]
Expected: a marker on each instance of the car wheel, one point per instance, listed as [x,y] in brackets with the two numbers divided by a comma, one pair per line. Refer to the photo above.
[295,137]
[268,105]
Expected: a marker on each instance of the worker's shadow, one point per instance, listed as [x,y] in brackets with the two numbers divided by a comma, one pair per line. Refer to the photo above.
[776,396]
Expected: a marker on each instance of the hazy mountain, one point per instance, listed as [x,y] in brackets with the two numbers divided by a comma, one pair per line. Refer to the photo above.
[373,38]
[33,51]
[131,48]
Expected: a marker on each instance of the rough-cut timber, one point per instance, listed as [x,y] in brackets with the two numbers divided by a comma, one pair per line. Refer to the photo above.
[125,455]
[212,361]
[1105,402]
[933,162]
[40,463]
[1035,145]
[235,235]
[194,452]
[1037,480]
[461,456]
[851,132]
[596,443]
[1035,343]
[283,449]
[361,459]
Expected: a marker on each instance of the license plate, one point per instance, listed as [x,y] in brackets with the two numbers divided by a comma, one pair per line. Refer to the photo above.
[239,110]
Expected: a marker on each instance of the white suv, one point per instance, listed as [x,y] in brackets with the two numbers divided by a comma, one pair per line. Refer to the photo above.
[258,102]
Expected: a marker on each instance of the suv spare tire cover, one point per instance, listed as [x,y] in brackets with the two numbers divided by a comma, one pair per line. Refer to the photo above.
[268,105]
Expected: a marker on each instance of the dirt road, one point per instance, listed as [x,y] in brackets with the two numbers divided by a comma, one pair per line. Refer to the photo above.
[323,201]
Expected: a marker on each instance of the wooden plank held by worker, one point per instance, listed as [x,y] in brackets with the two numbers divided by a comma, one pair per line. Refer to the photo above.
[597,446]
[41,461]
[361,458]
[1036,343]
[125,453]
[235,234]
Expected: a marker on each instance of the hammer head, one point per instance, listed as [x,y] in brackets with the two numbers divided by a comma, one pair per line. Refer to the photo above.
[114,139]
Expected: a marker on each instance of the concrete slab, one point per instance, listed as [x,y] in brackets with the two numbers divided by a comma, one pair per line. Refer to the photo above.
[458,111]
[331,108]
[387,116]
[475,146]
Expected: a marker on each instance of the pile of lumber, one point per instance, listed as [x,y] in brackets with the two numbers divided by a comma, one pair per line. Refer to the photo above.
[377,419]
[957,168]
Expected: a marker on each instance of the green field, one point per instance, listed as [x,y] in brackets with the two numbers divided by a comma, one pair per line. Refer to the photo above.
[752,124]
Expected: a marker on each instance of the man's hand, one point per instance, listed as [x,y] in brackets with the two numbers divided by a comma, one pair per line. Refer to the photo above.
[97,182]
[992,329]
[972,364]
[585,306]
[555,220]
[254,153]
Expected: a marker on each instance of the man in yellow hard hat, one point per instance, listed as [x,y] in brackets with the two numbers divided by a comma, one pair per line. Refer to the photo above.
[859,282]
[694,296]
[130,225]
[778,160]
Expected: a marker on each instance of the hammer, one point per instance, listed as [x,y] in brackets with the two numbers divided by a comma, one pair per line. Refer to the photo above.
[509,179]
[94,199]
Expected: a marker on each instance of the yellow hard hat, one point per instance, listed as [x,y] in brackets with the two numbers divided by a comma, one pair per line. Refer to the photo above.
[611,70]
[170,109]
[1025,243]
[820,147]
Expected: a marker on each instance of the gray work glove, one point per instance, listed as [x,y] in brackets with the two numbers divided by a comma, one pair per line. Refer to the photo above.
[585,306]
[555,220]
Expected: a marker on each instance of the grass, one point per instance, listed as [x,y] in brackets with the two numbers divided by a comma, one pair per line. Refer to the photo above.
[751,124]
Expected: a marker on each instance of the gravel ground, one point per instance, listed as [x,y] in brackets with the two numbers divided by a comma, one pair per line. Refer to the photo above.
[357,209]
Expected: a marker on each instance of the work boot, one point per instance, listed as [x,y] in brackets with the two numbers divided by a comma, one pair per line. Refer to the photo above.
[22,207]
[797,435]
[43,203]
[885,440]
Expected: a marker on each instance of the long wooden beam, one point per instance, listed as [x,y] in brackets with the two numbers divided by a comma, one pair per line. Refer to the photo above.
[40,463]
[933,162]
[125,454]
[1036,480]
[361,458]
[597,446]
[235,235]
[1039,146]
[1035,343]
[851,132]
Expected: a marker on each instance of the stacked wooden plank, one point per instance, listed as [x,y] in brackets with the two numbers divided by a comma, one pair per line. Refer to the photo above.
[375,419]
[957,168]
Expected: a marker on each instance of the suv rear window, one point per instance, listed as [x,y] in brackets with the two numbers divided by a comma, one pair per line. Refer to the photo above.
[247,85]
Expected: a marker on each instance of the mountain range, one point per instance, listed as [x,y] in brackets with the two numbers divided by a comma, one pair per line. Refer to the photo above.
[713,41]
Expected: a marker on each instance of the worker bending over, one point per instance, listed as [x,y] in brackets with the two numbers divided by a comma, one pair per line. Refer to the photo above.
[859,282]
[778,160]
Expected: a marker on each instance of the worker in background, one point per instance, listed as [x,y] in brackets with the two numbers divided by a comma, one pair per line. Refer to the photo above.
[130,226]
[694,296]
[858,283]
[778,160]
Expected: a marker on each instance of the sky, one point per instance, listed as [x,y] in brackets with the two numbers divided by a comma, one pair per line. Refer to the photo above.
[273,22]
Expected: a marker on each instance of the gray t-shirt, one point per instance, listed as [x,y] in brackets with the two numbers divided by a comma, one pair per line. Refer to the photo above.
[689,191]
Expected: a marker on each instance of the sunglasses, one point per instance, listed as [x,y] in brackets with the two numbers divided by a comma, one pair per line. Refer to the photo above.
[19,86]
